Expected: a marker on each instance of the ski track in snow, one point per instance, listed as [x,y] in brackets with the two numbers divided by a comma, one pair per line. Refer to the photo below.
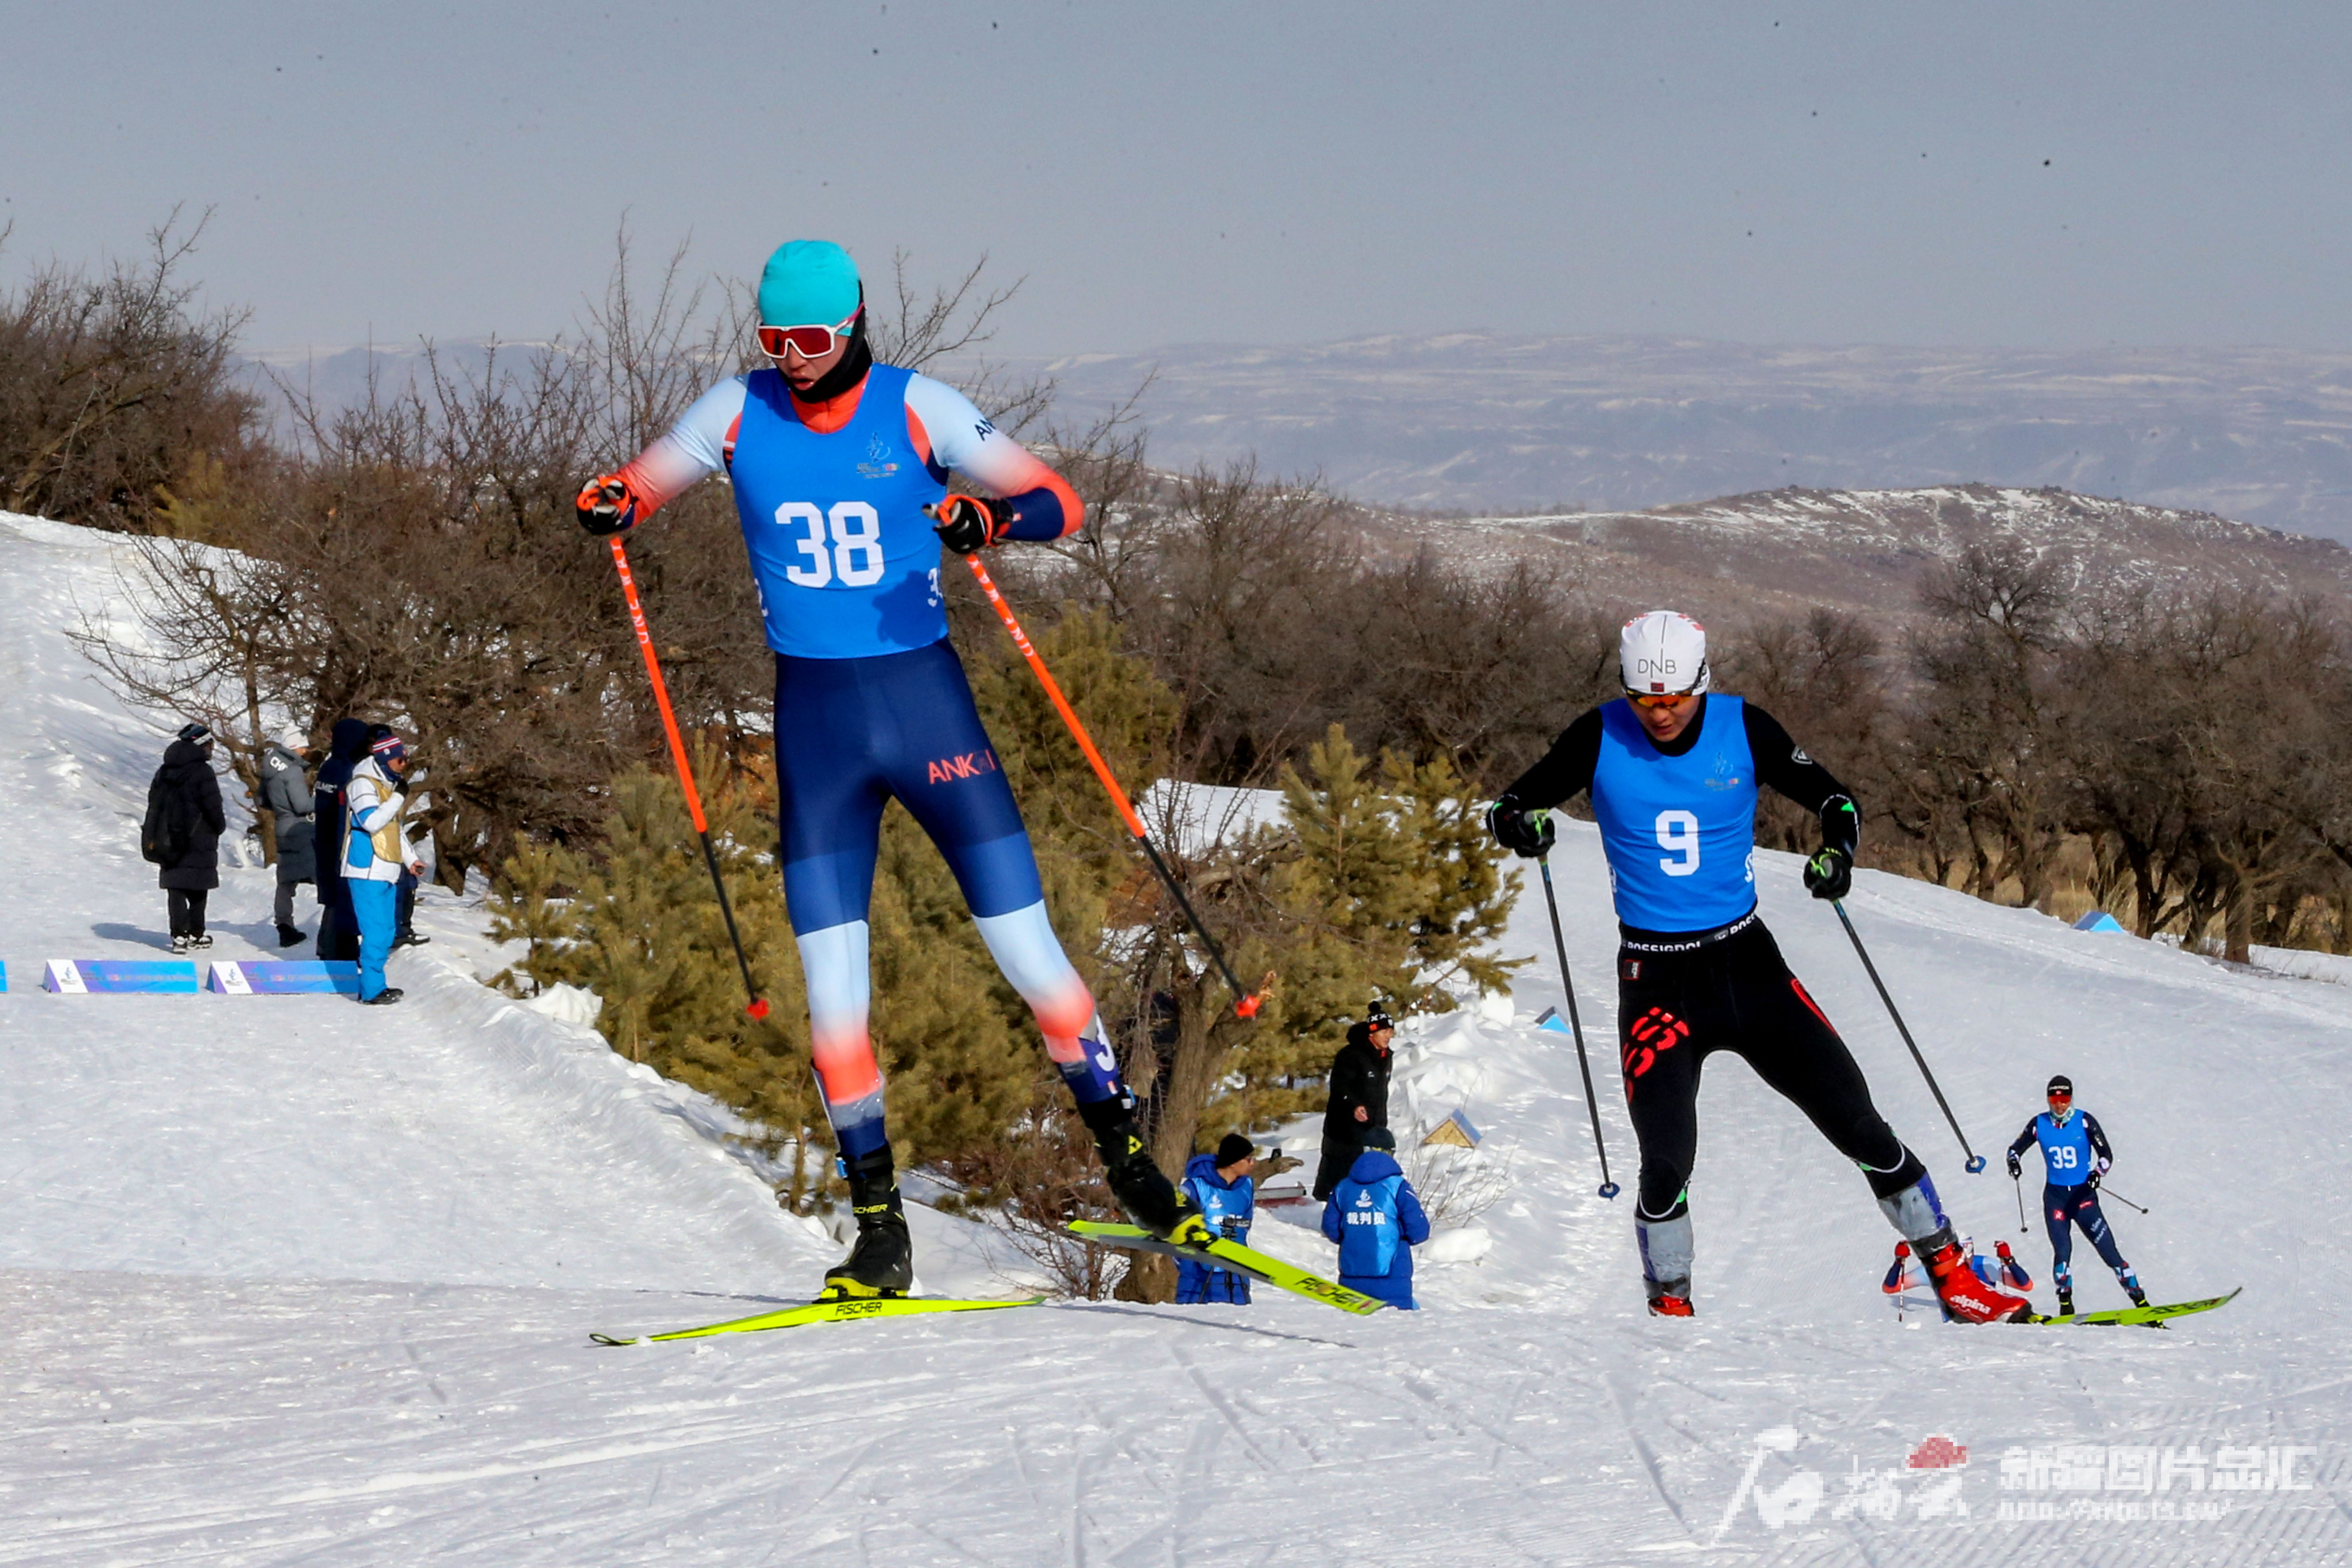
[284,1282]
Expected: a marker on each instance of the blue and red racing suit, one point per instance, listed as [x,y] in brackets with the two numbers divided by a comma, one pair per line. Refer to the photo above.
[2075,1151]
[871,702]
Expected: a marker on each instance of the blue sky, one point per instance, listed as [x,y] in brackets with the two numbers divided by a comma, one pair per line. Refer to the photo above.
[1985,174]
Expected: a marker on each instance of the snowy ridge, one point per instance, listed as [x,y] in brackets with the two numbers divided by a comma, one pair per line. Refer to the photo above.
[284,1280]
[1793,550]
[1489,420]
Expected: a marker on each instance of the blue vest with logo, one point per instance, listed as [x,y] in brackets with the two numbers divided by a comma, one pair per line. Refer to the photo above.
[1679,832]
[2067,1159]
[1227,1209]
[846,565]
[1369,1237]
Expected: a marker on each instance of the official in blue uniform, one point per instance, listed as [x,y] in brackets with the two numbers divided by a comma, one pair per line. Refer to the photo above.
[1376,1218]
[1672,772]
[1226,1193]
[2075,1158]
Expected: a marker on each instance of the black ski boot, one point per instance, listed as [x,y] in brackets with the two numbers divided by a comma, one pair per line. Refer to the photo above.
[2066,1300]
[882,1260]
[1144,1192]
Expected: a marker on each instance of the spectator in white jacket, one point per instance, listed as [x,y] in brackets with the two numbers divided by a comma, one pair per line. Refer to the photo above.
[374,854]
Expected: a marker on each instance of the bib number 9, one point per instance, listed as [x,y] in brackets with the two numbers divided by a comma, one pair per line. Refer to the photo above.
[855,553]
[1678,832]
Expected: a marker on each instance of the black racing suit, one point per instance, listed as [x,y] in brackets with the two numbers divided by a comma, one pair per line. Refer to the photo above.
[1683,995]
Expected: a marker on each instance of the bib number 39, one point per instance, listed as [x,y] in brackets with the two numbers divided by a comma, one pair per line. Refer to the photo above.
[1678,832]
[852,554]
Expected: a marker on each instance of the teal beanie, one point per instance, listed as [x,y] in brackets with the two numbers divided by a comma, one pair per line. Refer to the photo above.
[807,282]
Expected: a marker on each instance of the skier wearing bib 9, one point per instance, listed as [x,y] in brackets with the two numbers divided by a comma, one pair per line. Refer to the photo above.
[1672,772]
[2074,1157]
[834,460]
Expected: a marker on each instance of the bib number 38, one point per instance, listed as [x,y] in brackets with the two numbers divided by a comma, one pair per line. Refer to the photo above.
[844,544]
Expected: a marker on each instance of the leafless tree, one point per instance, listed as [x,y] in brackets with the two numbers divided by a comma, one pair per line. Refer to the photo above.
[116,390]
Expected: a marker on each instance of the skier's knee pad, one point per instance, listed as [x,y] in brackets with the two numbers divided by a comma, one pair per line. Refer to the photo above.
[1666,1246]
[1891,1181]
[1663,1194]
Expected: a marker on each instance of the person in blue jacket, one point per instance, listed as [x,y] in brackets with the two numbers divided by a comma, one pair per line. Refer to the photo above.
[2074,1157]
[1221,1183]
[1376,1217]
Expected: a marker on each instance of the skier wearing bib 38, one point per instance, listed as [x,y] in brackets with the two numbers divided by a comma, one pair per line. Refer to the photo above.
[1673,773]
[834,460]
[2074,1157]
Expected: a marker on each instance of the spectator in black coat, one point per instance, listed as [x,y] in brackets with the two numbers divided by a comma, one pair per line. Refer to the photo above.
[1360,1098]
[338,932]
[182,831]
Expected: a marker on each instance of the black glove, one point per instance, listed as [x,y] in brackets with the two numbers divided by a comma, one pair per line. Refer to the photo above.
[606,506]
[1527,834]
[2095,1178]
[966,524]
[2016,1168]
[400,785]
[1830,873]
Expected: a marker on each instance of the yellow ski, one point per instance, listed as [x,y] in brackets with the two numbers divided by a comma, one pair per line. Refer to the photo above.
[825,1312]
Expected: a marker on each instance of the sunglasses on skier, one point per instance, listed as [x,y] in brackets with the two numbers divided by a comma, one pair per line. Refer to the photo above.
[1659,698]
[2061,1100]
[813,343]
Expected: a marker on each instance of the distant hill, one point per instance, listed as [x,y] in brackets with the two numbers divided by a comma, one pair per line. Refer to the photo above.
[1788,550]
[1486,422]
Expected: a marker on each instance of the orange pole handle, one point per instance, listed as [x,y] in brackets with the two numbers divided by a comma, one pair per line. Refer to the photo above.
[661,690]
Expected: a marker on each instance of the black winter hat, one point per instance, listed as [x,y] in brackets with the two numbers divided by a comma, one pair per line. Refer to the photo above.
[1377,1018]
[1379,1138]
[1234,1149]
[2061,1084]
[196,729]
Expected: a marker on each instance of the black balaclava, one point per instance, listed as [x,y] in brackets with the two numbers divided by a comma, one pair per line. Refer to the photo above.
[855,363]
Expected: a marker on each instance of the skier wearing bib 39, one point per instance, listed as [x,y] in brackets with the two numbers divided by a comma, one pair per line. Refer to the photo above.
[834,460]
[1673,773]
[2074,1157]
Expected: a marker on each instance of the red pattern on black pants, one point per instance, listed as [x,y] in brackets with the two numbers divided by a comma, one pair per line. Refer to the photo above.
[1675,1010]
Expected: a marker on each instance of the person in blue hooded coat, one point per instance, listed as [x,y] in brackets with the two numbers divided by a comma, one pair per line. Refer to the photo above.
[1221,1183]
[1376,1217]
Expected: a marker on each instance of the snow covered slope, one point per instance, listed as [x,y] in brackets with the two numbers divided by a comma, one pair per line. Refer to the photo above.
[453,1138]
[281,1281]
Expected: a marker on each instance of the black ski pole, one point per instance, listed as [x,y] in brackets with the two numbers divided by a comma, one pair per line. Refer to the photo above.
[2019,1183]
[1609,1189]
[2106,1191]
[1976,1160]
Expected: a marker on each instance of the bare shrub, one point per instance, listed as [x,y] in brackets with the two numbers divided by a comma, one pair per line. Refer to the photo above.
[116,390]
[1456,1185]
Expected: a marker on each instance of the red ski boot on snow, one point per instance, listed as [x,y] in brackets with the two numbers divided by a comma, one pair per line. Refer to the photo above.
[1967,1299]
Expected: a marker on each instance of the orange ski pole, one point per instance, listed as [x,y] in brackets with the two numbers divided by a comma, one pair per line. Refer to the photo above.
[758,1007]
[1245,1004]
